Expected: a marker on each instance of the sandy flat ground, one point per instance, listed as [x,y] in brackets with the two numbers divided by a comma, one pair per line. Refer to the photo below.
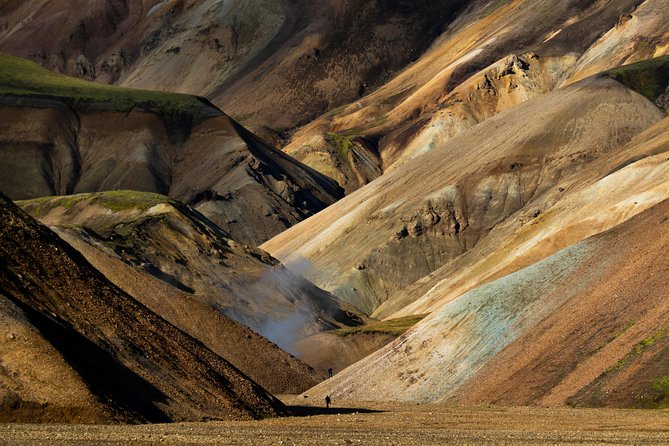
[379,424]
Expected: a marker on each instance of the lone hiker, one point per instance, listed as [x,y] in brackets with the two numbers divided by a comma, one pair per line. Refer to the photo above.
[327,401]
[330,372]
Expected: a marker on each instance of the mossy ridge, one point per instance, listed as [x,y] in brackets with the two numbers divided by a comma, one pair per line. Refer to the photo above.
[20,77]
[649,78]
[122,200]
[637,350]
[393,327]
[115,201]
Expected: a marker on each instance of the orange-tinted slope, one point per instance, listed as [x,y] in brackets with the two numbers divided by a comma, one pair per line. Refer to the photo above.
[613,332]
[492,57]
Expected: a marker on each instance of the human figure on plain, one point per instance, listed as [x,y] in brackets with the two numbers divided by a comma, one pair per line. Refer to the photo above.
[327,401]
[330,372]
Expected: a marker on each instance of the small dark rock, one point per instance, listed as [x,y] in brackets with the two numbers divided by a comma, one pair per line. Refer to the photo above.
[402,233]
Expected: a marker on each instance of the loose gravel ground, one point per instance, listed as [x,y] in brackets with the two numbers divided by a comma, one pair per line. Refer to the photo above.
[378,424]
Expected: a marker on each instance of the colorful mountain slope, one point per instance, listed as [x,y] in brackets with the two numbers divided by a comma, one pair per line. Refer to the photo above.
[493,56]
[586,326]
[442,205]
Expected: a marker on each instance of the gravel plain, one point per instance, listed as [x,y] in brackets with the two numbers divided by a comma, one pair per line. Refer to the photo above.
[377,424]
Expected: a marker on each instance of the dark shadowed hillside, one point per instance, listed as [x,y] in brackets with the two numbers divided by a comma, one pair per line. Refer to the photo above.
[128,362]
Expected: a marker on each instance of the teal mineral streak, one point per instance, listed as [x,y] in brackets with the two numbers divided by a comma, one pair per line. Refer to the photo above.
[485,320]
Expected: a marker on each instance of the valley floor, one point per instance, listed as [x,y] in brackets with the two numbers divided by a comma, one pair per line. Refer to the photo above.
[379,424]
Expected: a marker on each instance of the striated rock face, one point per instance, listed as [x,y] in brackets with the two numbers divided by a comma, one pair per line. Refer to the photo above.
[493,56]
[311,56]
[126,362]
[351,160]
[85,137]
[429,211]
[391,74]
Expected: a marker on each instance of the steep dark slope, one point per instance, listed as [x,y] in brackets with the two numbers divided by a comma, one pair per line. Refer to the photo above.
[261,360]
[60,135]
[135,363]
[52,392]
[161,237]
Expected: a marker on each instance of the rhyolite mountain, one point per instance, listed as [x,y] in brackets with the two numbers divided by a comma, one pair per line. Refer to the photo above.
[493,56]
[492,215]
[311,56]
[60,135]
[505,165]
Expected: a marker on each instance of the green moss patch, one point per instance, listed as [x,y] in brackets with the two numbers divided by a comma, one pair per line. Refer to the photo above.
[21,77]
[649,78]
[393,327]
[656,396]
[650,395]
[343,143]
[115,201]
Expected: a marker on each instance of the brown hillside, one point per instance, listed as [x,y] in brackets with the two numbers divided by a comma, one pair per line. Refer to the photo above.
[128,235]
[262,361]
[136,364]
[311,56]
[61,136]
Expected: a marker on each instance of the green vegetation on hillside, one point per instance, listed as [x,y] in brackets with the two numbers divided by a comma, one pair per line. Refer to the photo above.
[656,395]
[114,201]
[343,143]
[21,77]
[394,327]
[649,395]
[649,78]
